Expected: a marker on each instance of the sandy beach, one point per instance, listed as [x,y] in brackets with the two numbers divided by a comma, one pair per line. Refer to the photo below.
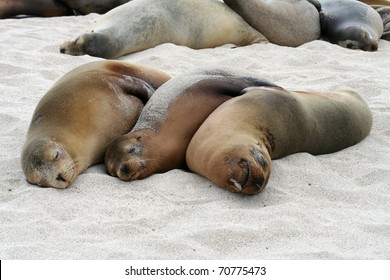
[334,206]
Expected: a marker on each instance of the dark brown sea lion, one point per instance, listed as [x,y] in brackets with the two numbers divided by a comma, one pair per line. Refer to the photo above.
[350,24]
[159,140]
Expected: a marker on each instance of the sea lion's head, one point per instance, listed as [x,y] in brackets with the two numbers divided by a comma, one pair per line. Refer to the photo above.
[354,37]
[47,164]
[129,157]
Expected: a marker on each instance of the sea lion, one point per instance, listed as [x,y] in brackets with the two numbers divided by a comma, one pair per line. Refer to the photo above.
[383,8]
[49,8]
[288,23]
[143,24]
[234,146]
[159,140]
[350,24]
[80,115]
[384,12]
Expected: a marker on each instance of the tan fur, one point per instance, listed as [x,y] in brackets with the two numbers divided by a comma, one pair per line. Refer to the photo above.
[81,115]
[143,24]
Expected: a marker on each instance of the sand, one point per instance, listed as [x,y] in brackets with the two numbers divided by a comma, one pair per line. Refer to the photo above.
[334,206]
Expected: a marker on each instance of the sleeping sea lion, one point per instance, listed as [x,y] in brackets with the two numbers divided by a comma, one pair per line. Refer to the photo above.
[159,140]
[81,115]
[234,146]
[350,24]
[144,24]
[287,23]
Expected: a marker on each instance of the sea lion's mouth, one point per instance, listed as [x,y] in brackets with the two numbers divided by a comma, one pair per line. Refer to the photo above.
[240,171]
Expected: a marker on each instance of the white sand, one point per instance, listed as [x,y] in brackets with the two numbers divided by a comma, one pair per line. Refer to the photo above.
[333,206]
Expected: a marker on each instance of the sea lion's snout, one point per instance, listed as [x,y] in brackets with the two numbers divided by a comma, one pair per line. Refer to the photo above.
[249,175]
[60,178]
[125,172]
[372,46]
[129,170]
[239,173]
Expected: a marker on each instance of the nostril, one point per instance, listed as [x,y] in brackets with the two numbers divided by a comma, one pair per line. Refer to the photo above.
[60,178]
[125,169]
[259,183]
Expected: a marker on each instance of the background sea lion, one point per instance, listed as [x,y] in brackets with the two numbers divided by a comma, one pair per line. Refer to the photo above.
[48,8]
[383,8]
[80,115]
[384,12]
[93,6]
[287,22]
[159,140]
[350,24]
[143,24]
[234,146]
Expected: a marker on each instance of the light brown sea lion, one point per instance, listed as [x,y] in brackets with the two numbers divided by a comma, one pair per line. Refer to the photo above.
[80,115]
[143,24]
[49,8]
[288,22]
[350,24]
[159,140]
[234,146]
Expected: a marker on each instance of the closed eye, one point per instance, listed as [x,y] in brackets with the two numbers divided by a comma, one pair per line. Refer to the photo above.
[135,150]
